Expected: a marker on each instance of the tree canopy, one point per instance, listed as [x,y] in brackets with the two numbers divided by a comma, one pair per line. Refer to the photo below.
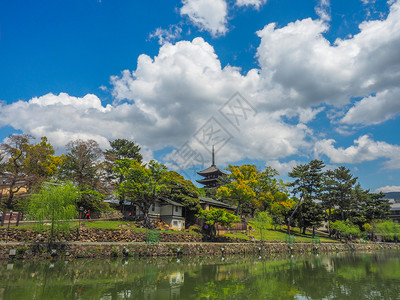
[250,189]
[55,203]
[25,165]
[143,184]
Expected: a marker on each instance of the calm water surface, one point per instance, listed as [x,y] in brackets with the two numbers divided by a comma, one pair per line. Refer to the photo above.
[337,276]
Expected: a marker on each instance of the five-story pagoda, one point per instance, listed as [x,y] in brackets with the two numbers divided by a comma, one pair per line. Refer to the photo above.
[211,174]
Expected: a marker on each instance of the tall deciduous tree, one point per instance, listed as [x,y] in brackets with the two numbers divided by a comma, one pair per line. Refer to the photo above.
[180,190]
[280,208]
[25,164]
[250,189]
[82,167]
[240,187]
[143,184]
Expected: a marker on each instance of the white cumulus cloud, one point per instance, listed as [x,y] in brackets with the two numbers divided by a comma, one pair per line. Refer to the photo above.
[208,15]
[388,189]
[323,10]
[283,168]
[185,85]
[364,149]
[63,118]
[383,106]
[256,3]
[310,70]
[167,35]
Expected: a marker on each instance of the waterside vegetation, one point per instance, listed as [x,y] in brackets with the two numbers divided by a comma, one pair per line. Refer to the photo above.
[55,189]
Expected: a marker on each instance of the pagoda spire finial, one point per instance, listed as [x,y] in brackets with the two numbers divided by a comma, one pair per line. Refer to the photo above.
[213,156]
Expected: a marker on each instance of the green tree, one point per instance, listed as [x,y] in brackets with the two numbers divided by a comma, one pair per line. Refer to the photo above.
[375,206]
[54,203]
[280,208]
[250,189]
[82,166]
[312,215]
[183,191]
[340,193]
[261,222]
[217,215]
[25,165]
[308,184]
[120,149]
[309,178]
[123,148]
[143,184]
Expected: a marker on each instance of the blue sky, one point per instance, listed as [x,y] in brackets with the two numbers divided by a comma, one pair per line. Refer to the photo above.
[272,82]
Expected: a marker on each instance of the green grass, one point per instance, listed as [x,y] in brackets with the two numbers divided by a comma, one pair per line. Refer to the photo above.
[237,235]
[280,236]
[110,225]
[268,235]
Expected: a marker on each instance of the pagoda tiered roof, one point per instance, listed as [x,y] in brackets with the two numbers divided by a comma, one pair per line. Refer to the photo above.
[211,174]
[211,170]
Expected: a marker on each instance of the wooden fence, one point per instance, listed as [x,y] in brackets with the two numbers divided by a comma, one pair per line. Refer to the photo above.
[236,227]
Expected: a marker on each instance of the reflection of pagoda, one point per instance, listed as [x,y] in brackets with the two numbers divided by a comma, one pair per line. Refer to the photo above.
[211,174]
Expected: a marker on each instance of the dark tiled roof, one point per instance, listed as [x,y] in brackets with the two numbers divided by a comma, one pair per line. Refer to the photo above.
[167,201]
[211,170]
[206,180]
[215,203]
[171,202]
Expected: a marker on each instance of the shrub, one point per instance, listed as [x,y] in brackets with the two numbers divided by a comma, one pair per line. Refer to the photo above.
[114,252]
[346,229]
[389,230]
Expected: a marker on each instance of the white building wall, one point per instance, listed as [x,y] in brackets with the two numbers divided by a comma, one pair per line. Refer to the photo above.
[166,210]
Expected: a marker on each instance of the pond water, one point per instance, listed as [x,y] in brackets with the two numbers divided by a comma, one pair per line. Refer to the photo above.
[337,276]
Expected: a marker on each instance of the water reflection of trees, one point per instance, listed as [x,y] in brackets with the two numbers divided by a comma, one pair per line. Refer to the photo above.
[371,276]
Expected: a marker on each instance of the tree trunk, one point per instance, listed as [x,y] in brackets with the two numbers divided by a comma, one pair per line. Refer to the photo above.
[237,210]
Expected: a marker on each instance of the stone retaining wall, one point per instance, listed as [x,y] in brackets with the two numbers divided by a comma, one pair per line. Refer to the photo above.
[93,235]
[71,250]
[27,243]
[111,215]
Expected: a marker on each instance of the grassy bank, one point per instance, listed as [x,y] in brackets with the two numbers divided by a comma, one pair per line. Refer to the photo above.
[271,235]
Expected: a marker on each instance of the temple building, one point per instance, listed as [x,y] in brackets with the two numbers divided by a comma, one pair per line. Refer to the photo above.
[211,174]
